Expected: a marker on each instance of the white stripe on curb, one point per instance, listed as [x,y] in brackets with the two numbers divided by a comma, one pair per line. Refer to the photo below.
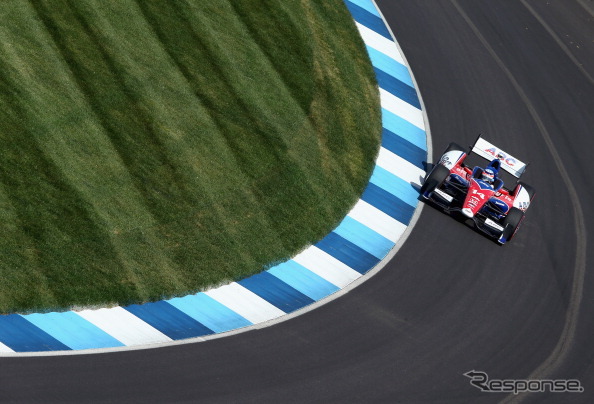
[377,221]
[326,266]
[245,303]
[402,108]
[4,348]
[124,326]
[400,167]
[379,43]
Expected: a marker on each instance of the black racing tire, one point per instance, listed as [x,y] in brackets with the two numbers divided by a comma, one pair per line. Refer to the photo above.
[454,146]
[511,224]
[435,178]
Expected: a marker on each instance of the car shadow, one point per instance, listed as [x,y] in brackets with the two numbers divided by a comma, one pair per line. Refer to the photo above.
[416,185]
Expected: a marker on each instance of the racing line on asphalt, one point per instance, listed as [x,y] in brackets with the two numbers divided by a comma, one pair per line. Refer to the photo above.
[563,345]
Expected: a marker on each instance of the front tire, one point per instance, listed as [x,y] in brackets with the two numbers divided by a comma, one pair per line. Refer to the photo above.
[435,178]
[511,224]
[454,147]
[528,188]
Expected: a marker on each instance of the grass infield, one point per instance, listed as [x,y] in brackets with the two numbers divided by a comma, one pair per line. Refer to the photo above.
[151,149]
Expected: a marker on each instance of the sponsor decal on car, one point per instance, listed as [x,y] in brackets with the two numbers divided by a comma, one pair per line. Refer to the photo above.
[489,151]
[443,195]
[510,161]
[493,225]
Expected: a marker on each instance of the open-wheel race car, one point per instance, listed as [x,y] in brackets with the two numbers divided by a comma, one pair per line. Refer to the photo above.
[478,193]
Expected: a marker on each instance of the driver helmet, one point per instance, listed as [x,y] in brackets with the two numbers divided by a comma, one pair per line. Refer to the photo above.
[488,175]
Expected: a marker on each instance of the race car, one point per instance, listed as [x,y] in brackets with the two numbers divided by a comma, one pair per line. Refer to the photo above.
[479,193]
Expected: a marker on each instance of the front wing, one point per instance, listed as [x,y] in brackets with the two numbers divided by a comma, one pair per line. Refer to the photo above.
[450,196]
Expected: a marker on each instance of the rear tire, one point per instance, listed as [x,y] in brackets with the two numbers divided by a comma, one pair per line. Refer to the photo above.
[511,224]
[435,178]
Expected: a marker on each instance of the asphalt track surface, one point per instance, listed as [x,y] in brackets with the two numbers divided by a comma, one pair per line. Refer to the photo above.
[520,72]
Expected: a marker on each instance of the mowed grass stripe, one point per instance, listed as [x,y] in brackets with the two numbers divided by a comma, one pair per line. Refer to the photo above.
[160,140]
[255,128]
[141,147]
[258,148]
[121,63]
[50,207]
[225,182]
[155,149]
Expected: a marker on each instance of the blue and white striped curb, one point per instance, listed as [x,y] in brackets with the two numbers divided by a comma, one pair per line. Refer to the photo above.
[365,236]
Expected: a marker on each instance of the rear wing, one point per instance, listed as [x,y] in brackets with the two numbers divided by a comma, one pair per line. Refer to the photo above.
[489,151]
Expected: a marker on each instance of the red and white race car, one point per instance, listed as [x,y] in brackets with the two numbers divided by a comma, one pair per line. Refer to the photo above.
[496,210]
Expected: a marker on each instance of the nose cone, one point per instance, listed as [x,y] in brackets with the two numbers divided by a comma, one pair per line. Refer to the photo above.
[467,212]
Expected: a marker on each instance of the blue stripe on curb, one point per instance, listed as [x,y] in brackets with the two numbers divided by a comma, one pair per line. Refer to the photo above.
[401,127]
[275,291]
[403,148]
[72,330]
[388,203]
[362,236]
[348,253]
[390,66]
[367,5]
[395,185]
[368,19]
[169,320]
[209,312]
[354,245]
[397,88]
[303,280]
[22,336]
